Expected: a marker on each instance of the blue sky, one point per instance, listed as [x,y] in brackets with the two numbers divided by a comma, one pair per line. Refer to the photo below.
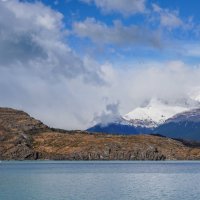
[67,61]
[174,36]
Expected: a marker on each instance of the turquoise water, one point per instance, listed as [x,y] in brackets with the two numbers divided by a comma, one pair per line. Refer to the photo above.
[99,180]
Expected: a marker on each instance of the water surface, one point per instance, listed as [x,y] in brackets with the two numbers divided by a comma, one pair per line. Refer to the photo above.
[48,180]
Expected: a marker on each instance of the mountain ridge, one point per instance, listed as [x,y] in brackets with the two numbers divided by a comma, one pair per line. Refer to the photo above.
[25,138]
[174,124]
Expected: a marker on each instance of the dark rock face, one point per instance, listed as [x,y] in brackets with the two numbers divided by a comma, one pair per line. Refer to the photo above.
[16,130]
[105,155]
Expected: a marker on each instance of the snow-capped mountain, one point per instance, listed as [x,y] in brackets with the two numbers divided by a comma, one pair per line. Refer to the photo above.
[180,119]
[154,114]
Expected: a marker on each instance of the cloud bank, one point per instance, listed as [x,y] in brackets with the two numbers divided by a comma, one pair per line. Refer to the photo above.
[118,34]
[43,75]
[32,36]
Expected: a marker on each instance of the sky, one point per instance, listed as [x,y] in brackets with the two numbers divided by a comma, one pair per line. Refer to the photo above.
[74,63]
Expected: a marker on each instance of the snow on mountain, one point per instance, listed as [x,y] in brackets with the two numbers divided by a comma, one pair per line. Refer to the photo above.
[188,116]
[154,114]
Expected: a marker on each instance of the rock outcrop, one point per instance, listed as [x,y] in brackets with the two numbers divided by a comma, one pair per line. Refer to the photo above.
[16,130]
[15,121]
[25,138]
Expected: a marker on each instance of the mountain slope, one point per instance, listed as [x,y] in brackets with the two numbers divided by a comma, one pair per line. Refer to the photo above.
[16,121]
[184,125]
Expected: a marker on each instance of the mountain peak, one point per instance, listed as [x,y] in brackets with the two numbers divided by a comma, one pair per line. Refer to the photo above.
[155,113]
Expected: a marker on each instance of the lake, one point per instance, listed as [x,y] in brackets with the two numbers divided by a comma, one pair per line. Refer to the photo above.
[87,180]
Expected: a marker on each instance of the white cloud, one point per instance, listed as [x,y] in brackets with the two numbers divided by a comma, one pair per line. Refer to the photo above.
[110,115]
[169,19]
[125,7]
[32,36]
[185,49]
[117,34]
